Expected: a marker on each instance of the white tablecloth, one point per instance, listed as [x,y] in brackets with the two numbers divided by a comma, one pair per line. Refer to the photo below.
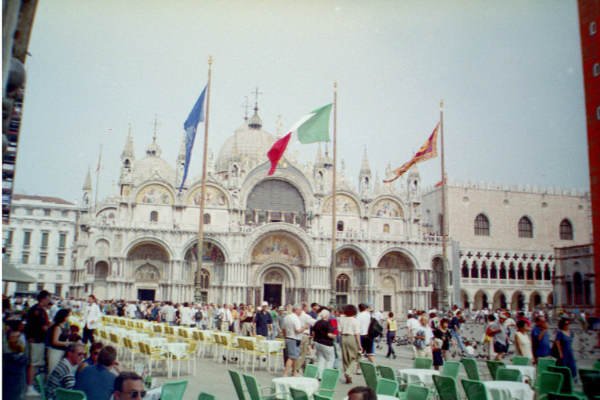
[416,375]
[270,346]
[282,385]
[178,349]
[527,371]
[153,394]
[506,390]
[155,341]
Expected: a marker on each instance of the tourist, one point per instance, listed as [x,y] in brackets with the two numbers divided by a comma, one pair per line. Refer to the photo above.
[14,362]
[186,314]
[362,393]
[97,381]
[366,342]
[324,336]
[226,319]
[37,324]
[262,320]
[314,310]
[305,320]
[454,326]
[540,338]
[63,375]
[412,324]
[93,358]
[91,319]
[564,345]
[522,340]
[57,338]
[351,348]
[496,331]
[423,337]
[292,329]
[440,343]
[128,385]
[392,328]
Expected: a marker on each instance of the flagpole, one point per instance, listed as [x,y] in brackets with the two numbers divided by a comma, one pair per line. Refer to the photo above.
[444,228]
[200,247]
[97,179]
[332,274]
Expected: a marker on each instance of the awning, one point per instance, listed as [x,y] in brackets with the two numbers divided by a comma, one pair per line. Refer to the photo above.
[10,273]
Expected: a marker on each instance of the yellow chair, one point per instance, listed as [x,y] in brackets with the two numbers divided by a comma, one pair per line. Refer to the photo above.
[156,354]
[189,356]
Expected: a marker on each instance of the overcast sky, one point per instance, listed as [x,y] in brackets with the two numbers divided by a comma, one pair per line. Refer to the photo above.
[509,73]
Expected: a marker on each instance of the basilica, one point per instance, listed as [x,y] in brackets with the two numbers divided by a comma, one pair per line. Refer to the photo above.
[266,237]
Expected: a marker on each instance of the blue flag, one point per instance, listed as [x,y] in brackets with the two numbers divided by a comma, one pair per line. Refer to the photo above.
[190,125]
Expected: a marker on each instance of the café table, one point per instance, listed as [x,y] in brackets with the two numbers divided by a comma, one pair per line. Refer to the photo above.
[417,375]
[508,390]
[282,385]
[528,372]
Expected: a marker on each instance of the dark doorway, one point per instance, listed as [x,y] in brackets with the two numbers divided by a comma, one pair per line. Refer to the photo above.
[272,294]
[387,302]
[146,294]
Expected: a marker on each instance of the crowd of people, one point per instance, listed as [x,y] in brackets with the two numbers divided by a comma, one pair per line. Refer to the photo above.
[39,339]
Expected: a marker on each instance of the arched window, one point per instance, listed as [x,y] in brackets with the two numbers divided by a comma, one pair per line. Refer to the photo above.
[206,219]
[578,288]
[340,226]
[386,228]
[538,273]
[482,225]
[474,270]
[511,272]
[547,273]
[154,216]
[204,279]
[520,272]
[502,271]
[493,271]
[529,273]
[484,270]
[465,270]
[566,230]
[525,228]
[342,283]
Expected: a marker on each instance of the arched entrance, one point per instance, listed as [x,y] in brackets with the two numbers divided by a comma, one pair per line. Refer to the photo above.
[464,297]
[535,300]
[388,289]
[213,259]
[518,301]
[147,263]
[274,283]
[481,300]
[100,275]
[499,300]
[400,267]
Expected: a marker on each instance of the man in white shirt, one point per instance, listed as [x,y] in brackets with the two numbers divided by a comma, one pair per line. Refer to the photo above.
[92,316]
[411,326]
[168,313]
[131,309]
[423,337]
[305,320]
[292,331]
[185,313]
[364,320]
[226,318]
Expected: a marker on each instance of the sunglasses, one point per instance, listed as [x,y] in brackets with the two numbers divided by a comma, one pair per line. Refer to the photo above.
[136,394]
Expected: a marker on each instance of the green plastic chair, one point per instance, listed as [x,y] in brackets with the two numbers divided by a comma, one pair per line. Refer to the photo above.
[423,363]
[415,392]
[206,396]
[40,380]
[590,379]
[318,396]
[542,366]
[474,390]
[597,365]
[451,368]
[446,387]
[329,381]
[311,371]
[173,390]
[369,373]
[254,390]
[387,386]
[567,386]
[562,396]
[507,374]
[521,360]
[493,366]
[471,368]
[69,394]
[298,394]
[548,382]
[236,378]
[386,372]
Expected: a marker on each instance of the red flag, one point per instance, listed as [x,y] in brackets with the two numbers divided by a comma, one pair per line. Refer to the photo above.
[425,152]
[277,150]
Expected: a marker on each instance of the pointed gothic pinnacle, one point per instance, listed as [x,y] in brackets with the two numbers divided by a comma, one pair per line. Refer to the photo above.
[87,185]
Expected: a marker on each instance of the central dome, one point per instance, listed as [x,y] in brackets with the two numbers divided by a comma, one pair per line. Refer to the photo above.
[249,145]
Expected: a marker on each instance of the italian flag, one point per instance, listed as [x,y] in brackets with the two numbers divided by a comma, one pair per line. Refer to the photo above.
[312,128]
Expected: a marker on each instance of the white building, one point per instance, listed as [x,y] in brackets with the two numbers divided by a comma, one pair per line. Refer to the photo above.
[39,241]
[504,239]
[266,237]
[575,276]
